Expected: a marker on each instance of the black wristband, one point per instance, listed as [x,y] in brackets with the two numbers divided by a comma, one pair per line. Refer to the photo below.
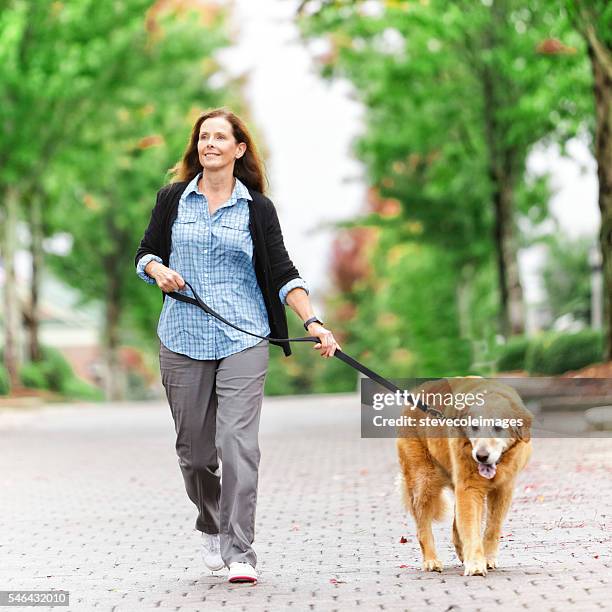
[311,320]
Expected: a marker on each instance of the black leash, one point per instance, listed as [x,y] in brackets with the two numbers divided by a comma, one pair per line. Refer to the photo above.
[197,301]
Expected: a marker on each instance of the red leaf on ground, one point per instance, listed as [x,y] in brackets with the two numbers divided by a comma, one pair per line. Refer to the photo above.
[403,540]
[403,565]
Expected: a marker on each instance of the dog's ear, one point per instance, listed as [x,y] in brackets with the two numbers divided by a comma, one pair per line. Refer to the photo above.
[515,409]
[522,430]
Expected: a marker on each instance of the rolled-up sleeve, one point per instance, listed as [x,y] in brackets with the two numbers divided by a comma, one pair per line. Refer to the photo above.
[292,284]
[142,264]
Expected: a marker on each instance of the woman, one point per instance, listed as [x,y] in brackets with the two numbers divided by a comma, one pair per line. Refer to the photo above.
[214,228]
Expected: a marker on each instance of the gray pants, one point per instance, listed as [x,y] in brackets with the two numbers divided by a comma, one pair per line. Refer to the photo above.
[216,405]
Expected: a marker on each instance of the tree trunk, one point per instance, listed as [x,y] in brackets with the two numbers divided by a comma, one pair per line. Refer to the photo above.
[512,320]
[12,311]
[602,76]
[36,238]
[511,315]
[502,172]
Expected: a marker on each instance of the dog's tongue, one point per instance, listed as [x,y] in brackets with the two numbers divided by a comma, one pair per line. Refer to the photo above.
[487,471]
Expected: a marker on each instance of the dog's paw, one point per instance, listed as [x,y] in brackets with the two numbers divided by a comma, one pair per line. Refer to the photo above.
[432,565]
[491,563]
[475,567]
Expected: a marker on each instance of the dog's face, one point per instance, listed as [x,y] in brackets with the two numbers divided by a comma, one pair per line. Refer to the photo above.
[503,420]
[487,450]
[491,439]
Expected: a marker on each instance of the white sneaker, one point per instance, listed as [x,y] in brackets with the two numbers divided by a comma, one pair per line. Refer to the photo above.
[242,572]
[211,551]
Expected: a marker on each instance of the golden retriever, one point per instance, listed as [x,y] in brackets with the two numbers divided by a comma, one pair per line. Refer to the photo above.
[478,463]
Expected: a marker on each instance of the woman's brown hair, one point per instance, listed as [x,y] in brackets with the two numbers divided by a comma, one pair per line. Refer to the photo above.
[249,168]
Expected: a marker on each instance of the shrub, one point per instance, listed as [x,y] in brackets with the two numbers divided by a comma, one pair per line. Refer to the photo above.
[554,353]
[33,375]
[57,370]
[79,389]
[5,386]
[53,371]
[512,354]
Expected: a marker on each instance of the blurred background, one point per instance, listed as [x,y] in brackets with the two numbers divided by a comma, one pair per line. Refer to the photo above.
[442,171]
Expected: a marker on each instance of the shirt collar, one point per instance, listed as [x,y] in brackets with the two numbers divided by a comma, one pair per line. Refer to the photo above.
[240,190]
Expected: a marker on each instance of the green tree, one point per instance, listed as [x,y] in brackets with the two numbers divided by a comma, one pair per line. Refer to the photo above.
[137,135]
[593,18]
[95,102]
[57,60]
[456,94]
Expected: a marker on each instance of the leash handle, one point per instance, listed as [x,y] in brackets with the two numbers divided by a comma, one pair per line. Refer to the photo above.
[197,301]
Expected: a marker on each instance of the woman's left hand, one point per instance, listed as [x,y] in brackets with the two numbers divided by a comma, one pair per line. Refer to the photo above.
[327,343]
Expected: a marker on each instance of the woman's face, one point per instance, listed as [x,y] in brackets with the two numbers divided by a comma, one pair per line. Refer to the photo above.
[217,147]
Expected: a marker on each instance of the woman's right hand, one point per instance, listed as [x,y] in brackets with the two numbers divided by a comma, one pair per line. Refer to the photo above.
[167,279]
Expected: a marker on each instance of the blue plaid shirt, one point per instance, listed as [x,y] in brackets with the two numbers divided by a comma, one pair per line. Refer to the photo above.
[215,254]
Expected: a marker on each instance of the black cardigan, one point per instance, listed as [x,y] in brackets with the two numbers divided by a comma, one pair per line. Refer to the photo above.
[273,267]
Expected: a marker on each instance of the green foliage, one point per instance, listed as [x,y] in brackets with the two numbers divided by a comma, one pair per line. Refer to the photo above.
[595,15]
[553,353]
[405,321]
[335,376]
[33,375]
[422,297]
[122,159]
[305,371]
[4,381]
[456,95]
[567,277]
[56,369]
[277,380]
[58,61]
[76,388]
[512,354]
[415,66]
[54,373]
[96,104]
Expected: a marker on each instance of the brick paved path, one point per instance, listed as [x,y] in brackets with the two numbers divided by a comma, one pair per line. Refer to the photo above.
[92,501]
